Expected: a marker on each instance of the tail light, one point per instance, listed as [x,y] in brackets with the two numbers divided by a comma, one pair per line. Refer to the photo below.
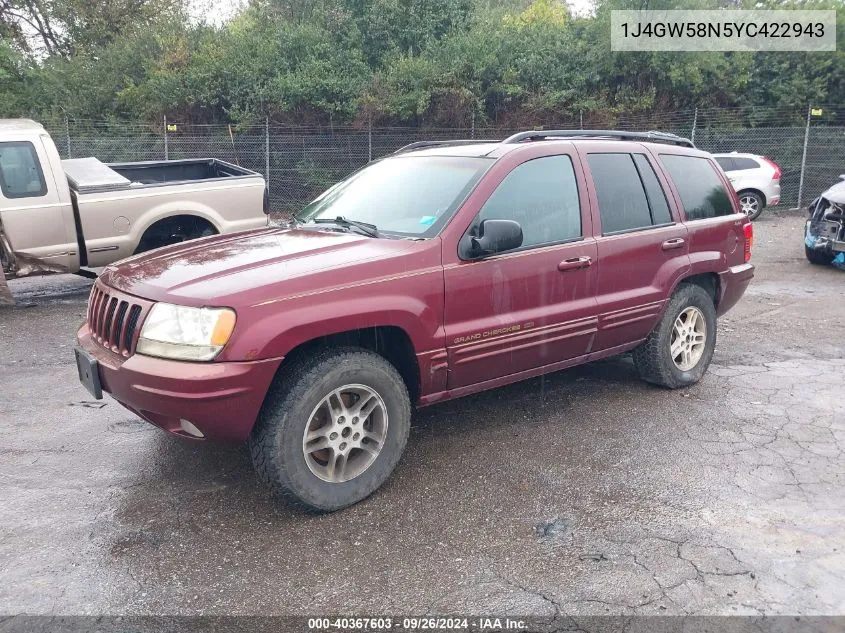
[775,166]
[749,239]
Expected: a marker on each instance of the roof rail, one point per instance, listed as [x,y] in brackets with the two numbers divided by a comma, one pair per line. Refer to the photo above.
[662,137]
[457,142]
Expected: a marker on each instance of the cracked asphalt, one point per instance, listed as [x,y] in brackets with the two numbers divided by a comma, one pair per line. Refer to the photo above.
[585,492]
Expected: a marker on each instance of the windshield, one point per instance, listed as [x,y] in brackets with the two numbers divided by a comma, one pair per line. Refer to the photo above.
[409,195]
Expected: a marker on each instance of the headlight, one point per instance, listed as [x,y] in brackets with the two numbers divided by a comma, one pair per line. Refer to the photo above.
[183,333]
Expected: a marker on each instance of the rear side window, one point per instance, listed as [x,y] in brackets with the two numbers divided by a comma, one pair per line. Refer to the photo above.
[20,171]
[745,163]
[542,195]
[725,163]
[656,198]
[702,192]
[629,194]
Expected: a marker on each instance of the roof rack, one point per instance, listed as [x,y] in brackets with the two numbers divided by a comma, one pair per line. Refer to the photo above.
[422,144]
[662,137]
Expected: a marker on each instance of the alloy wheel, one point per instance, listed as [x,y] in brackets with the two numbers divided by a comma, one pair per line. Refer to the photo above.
[749,205]
[689,334]
[345,433]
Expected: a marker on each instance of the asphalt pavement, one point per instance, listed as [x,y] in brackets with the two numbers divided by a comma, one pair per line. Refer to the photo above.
[583,492]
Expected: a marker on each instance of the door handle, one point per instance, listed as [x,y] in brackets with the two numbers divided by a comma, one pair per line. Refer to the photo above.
[677,242]
[575,263]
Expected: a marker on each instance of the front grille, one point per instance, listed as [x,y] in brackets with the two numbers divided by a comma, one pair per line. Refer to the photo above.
[113,319]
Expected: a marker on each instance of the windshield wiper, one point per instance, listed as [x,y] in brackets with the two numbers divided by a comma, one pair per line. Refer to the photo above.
[365,227]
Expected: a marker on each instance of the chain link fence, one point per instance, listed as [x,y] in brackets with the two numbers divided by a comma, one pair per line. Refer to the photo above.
[301,162]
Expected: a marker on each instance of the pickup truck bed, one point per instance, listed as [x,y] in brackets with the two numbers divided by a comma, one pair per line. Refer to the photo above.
[155,172]
[88,175]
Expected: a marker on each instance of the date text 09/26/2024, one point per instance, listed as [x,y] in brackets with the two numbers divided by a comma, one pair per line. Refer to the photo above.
[424,623]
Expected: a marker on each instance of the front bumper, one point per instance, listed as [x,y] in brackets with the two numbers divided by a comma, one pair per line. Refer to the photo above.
[732,285]
[221,400]
[823,236]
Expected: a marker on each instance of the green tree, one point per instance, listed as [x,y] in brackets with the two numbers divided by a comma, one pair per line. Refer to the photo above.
[434,62]
[68,27]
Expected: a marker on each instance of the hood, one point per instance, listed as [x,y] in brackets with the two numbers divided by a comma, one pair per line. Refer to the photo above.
[231,269]
[836,193]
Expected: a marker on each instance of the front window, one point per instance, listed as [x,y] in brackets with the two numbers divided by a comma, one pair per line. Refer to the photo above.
[413,196]
[20,171]
[542,196]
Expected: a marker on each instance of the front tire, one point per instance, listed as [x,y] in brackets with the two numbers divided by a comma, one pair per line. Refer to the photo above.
[332,428]
[751,203]
[678,351]
[819,258]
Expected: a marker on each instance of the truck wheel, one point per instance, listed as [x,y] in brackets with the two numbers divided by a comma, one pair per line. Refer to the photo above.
[751,203]
[332,428]
[819,258]
[174,230]
[678,351]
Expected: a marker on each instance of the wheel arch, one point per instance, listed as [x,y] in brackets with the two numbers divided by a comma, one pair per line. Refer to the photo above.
[199,219]
[709,281]
[391,342]
[168,210]
[755,191]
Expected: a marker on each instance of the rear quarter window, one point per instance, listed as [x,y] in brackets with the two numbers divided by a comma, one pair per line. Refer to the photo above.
[745,163]
[702,192]
[725,163]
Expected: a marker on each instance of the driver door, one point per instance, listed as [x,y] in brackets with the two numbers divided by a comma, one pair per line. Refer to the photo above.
[532,306]
[36,215]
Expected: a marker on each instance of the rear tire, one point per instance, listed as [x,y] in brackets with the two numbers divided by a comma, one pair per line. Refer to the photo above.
[174,230]
[819,258]
[304,392]
[752,204]
[689,314]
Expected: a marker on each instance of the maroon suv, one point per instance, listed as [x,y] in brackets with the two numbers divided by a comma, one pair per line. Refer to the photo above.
[440,271]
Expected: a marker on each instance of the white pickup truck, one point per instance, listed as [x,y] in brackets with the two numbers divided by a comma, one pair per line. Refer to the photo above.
[66,216]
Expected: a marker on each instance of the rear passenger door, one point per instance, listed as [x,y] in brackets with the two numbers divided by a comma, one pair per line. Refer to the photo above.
[716,230]
[535,305]
[642,245]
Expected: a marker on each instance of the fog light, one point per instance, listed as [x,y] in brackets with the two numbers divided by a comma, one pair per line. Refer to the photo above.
[190,429]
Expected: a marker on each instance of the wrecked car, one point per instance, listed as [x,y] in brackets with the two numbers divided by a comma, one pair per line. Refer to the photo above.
[824,233]
[61,216]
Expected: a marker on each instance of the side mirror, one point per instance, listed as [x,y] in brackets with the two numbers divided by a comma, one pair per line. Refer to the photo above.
[495,236]
[841,176]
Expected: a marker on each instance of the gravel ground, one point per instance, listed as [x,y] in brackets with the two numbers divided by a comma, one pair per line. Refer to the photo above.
[585,492]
